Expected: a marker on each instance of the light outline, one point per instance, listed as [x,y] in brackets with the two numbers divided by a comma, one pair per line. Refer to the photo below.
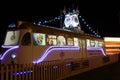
[51,48]
[6,52]
[97,48]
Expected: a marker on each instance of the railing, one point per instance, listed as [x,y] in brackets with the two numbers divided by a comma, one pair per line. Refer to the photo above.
[17,72]
[55,70]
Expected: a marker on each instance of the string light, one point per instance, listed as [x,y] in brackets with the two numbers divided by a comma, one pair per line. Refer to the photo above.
[84,22]
[48,21]
[80,17]
[58,18]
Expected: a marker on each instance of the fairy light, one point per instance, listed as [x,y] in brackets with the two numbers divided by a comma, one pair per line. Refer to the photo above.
[80,17]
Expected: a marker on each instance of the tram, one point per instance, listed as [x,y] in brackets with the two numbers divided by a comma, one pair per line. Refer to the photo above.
[31,43]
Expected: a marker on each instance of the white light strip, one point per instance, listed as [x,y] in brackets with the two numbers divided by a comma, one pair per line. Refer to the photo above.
[112,45]
[112,49]
[113,39]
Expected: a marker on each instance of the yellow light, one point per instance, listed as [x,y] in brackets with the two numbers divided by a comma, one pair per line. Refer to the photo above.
[112,45]
[113,39]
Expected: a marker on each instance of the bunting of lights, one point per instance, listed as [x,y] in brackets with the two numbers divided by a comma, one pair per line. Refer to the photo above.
[87,25]
[80,18]
[48,21]
[58,18]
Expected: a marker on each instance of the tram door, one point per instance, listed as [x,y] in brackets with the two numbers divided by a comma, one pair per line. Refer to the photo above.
[83,48]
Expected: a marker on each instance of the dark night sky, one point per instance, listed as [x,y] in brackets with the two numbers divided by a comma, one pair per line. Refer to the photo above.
[101,15]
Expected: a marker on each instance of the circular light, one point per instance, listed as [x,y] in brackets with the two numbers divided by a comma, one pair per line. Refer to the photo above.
[13,56]
[75,21]
[67,21]
[71,20]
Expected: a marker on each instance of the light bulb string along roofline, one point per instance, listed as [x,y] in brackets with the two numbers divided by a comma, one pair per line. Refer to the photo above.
[94,33]
[58,18]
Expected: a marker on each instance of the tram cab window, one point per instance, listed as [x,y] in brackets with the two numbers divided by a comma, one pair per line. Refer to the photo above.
[12,37]
[26,40]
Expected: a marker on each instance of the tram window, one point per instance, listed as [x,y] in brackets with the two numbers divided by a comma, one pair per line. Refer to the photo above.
[39,39]
[12,37]
[70,41]
[88,42]
[51,39]
[96,43]
[76,42]
[26,40]
[100,44]
[80,42]
[92,43]
[61,41]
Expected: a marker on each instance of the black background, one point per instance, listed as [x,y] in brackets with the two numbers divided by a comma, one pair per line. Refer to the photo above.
[100,15]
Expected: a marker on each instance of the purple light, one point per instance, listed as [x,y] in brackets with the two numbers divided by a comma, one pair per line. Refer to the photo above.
[69,64]
[97,48]
[55,67]
[6,52]
[25,72]
[3,46]
[52,48]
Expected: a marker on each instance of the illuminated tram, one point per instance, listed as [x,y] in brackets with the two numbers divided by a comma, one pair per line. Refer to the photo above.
[31,43]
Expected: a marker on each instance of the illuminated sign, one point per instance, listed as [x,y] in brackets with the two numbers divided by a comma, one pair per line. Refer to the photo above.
[70,41]
[51,39]
[61,41]
[39,39]
[71,20]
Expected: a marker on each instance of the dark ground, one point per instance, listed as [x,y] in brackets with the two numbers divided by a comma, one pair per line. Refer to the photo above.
[109,72]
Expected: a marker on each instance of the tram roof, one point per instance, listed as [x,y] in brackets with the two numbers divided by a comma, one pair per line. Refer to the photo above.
[49,29]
